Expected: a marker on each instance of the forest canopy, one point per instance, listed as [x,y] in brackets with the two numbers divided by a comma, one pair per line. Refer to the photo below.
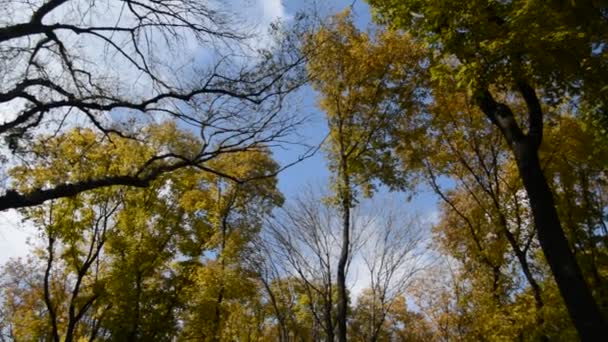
[146,146]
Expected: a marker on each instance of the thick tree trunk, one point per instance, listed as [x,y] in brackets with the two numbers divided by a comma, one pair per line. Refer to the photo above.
[582,308]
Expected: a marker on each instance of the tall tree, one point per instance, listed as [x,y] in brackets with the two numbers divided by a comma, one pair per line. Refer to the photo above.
[359,77]
[224,288]
[305,236]
[528,49]
[473,155]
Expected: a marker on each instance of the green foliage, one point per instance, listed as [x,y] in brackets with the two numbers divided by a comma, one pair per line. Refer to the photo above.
[172,259]
[557,45]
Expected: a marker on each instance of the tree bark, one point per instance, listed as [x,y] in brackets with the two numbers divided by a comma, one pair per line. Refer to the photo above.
[329,324]
[582,308]
[47,290]
[342,295]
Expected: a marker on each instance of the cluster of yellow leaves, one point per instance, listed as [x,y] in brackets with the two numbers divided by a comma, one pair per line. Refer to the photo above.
[367,85]
[82,154]
[166,250]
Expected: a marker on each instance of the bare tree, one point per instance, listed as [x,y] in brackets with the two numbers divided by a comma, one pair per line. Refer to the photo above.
[279,294]
[393,252]
[111,63]
[306,237]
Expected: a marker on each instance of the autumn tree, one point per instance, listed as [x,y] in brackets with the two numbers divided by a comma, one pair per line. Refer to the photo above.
[282,292]
[486,226]
[225,288]
[486,200]
[113,65]
[541,52]
[127,263]
[398,324]
[359,76]
[439,294]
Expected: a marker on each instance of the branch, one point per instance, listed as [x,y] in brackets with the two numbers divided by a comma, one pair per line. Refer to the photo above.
[501,115]
[13,199]
[535,113]
[47,290]
[46,9]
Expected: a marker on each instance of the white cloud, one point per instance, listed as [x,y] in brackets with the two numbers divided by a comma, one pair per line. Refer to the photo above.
[274,9]
[14,235]
[358,277]
[255,17]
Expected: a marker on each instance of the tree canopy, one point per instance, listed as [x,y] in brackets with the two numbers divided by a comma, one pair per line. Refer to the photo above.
[141,143]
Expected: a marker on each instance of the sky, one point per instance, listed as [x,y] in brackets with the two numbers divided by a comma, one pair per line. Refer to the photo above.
[14,233]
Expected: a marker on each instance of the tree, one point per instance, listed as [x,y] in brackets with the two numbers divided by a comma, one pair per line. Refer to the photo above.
[393,254]
[484,222]
[578,178]
[399,323]
[54,77]
[224,288]
[23,308]
[440,295]
[486,198]
[304,237]
[357,76]
[90,258]
[491,47]
[125,263]
[280,292]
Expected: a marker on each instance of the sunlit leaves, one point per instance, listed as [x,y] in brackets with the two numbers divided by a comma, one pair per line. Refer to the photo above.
[129,259]
[368,83]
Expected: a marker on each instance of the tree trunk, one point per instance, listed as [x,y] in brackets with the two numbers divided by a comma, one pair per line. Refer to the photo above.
[342,296]
[525,267]
[281,319]
[47,290]
[329,331]
[582,308]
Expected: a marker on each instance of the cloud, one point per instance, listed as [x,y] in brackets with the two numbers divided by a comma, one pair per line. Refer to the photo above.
[273,10]
[255,17]
[14,236]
